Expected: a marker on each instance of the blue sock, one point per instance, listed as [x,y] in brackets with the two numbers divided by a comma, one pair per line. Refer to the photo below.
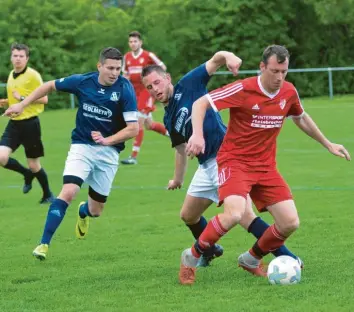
[258,227]
[198,228]
[84,211]
[55,215]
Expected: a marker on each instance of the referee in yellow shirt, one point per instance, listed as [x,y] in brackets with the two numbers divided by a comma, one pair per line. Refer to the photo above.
[24,129]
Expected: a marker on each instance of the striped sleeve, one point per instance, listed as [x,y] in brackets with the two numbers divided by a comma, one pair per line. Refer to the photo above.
[155,59]
[296,110]
[228,96]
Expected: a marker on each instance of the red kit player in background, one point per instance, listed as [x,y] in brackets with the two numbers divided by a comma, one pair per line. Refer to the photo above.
[134,62]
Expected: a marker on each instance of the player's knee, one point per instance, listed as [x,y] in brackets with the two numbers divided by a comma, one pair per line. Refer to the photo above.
[4,158]
[289,226]
[188,218]
[234,216]
[68,193]
[34,166]
[247,219]
[148,125]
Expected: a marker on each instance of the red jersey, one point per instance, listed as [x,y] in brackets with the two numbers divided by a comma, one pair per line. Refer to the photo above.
[133,65]
[256,118]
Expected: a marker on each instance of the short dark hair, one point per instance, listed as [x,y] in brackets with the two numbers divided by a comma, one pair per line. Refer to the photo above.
[280,51]
[147,70]
[20,46]
[135,34]
[110,53]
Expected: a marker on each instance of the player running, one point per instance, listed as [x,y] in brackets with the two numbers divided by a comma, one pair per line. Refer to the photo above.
[106,118]
[134,62]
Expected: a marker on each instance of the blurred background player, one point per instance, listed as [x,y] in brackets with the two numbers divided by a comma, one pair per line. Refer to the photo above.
[24,129]
[101,129]
[203,190]
[134,62]
[258,107]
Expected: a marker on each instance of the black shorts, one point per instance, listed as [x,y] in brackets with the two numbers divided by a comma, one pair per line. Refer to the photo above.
[25,132]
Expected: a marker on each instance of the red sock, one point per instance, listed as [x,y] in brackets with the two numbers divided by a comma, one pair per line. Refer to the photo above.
[158,127]
[137,143]
[211,234]
[269,241]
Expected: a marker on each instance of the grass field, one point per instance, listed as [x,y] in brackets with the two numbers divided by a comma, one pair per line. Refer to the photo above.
[130,259]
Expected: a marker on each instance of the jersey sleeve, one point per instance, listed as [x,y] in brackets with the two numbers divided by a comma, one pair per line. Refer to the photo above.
[196,79]
[296,109]
[176,138]
[228,96]
[68,84]
[128,102]
[154,59]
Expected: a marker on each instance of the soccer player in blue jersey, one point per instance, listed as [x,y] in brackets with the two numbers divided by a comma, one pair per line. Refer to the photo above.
[178,101]
[106,118]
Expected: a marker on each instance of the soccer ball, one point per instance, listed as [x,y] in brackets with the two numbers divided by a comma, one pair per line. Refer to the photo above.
[284,270]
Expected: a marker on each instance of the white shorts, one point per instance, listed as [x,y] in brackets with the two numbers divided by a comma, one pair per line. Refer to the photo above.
[205,181]
[96,165]
[145,116]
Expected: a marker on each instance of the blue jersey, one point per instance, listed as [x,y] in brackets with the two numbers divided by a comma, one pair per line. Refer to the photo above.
[106,109]
[177,117]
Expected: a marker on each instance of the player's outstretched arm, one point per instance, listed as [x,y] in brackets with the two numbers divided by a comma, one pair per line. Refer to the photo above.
[221,58]
[40,92]
[196,143]
[180,167]
[129,132]
[307,125]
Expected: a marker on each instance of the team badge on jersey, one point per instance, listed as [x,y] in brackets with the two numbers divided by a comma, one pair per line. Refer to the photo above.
[178,96]
[141,60]
[282,104]
[115,96]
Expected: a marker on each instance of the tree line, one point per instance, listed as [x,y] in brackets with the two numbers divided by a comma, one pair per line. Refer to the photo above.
[66,36]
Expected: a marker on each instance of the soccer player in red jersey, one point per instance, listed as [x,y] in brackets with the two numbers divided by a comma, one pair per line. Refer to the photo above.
[134,62]
[247,158]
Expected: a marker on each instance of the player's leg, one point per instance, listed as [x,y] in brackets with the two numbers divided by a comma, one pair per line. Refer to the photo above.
[78,166]
[92,208]
[55,216]
[217,227]
[150,124]
[100,181]
[272,194]
[41,175]
[32,143]
[9,143]
[138,141]
[231,181]
[286,222]
[202,192]
[257,226]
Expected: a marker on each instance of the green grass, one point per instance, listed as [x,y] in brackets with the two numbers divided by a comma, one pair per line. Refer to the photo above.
[130,259]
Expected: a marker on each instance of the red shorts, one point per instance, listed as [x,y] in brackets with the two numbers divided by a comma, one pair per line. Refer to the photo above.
[265,187]
[145,101]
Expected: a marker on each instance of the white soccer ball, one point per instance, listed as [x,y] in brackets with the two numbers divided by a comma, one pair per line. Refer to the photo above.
[284,270]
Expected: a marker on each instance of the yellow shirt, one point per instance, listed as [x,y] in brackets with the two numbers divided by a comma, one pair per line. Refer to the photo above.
[25,84]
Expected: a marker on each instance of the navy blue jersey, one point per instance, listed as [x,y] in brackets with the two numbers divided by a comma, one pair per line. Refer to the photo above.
[177,117]
[101,108]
